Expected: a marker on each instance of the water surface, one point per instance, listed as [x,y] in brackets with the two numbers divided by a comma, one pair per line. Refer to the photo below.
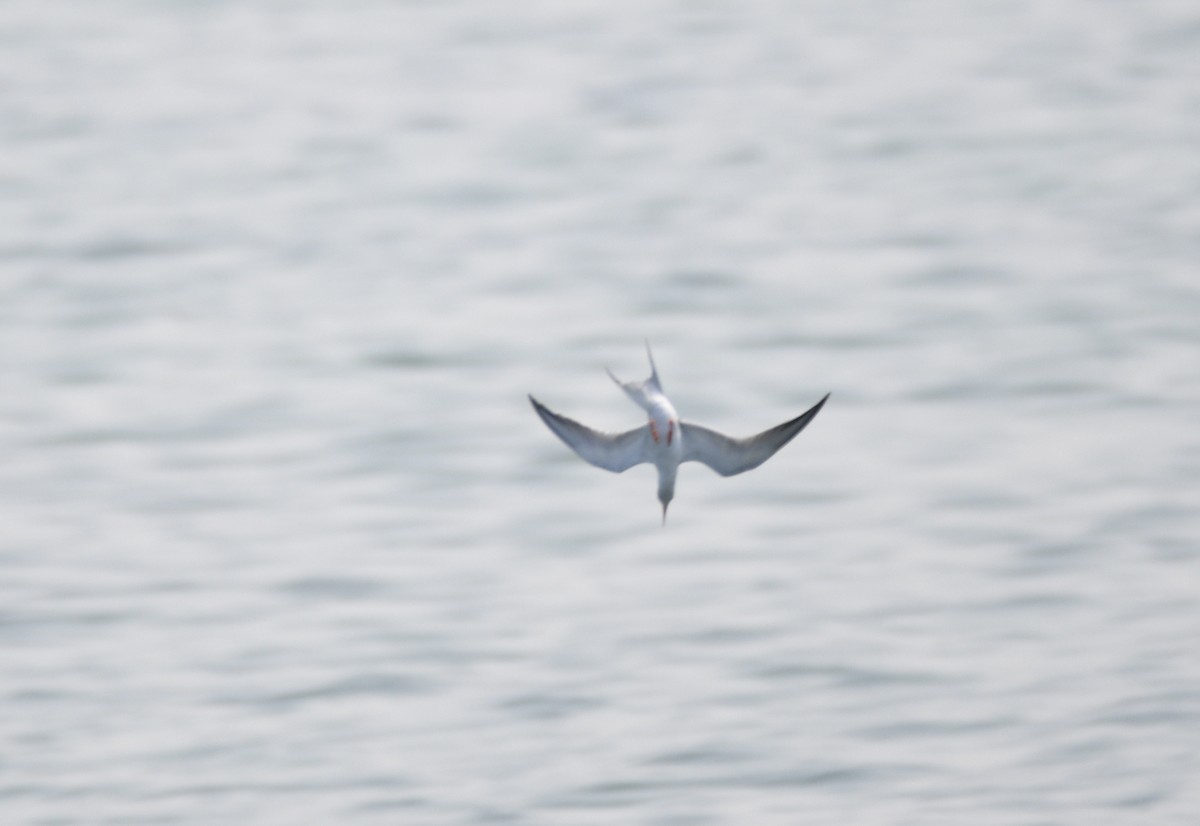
[281,540]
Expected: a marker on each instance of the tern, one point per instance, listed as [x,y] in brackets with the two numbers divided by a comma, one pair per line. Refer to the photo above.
[666,442]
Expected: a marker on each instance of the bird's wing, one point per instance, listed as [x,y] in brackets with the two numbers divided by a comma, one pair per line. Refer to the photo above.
[732,456]
[612,451]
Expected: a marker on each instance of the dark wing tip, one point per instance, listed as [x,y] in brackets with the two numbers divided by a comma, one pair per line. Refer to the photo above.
[814,410]
[539,408]
[807,415]
[792,427]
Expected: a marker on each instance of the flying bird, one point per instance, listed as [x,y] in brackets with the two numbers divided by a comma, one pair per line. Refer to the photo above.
[666,442]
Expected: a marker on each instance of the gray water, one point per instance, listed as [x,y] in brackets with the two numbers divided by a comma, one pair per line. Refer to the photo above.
[282,542]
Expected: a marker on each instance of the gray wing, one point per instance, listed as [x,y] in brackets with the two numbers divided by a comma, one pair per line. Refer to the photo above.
[732,456]
[612,451]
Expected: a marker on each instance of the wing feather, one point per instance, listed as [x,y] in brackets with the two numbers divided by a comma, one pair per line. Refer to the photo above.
[612,451]
[728,456]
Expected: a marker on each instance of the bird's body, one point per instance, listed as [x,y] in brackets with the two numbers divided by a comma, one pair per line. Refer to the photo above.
[665,441]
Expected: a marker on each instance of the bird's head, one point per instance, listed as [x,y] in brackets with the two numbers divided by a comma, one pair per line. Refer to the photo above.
[665,495]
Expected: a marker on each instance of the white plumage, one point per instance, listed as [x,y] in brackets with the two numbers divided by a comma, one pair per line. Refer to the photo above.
[666,442]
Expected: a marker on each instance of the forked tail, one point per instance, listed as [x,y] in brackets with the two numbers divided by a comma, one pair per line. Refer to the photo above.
[638,390]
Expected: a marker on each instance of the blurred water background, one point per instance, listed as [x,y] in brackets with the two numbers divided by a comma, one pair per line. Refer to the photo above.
[282,542]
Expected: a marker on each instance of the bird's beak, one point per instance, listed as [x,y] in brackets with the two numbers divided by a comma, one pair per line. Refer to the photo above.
[665,512]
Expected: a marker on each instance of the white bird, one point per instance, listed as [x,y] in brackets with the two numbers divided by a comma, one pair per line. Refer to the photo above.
[666,442]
